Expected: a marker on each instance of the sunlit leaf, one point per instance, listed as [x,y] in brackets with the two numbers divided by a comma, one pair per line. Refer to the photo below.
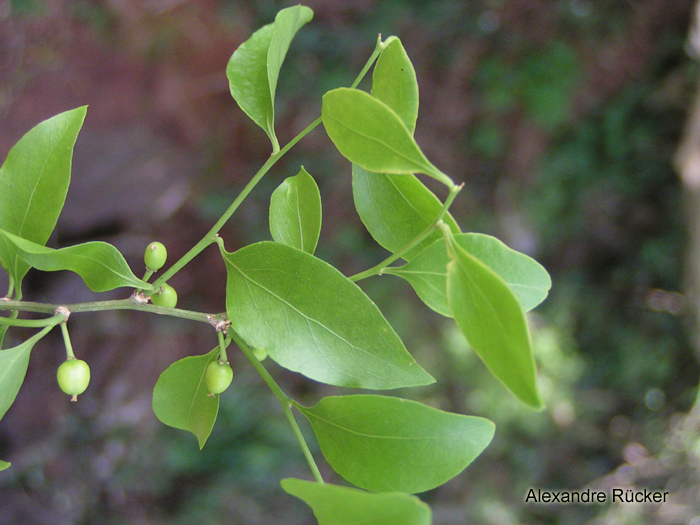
[4,465]
[13,368]
[396,208]
[427,273]
[295,212]
[387,444]
[34,181]
[100,265]
[181,400]
[312,319]
[335,505]
[394,82]
[370,134]
[490,316]
[254,67]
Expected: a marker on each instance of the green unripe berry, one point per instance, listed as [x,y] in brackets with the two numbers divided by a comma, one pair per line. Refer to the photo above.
[155,256]
[166,296]
[218,377]
[73,377]
[260,353]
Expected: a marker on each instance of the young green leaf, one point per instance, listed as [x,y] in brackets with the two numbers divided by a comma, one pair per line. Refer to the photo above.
[13,368]
[295,212]
[427,273]
[4,465]
[34,181]
[396,208]
[388,444]
[369,133]
[394,82]
[313,320]
[99,264]
[490,316]
[336,505]
[254,67]
[181,400]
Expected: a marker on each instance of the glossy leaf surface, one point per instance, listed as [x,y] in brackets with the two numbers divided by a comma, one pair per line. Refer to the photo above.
[254,67]
[396,208]
[394,82]
[295,212]
[387,444]
[100,264]
[370,134]
[180,397]
[427,273]
[336,505]
[34,181]
[312,319]
[490,316]
[13,368]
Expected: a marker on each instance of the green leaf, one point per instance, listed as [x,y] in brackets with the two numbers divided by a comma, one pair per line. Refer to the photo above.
[34,181]
[335,505]
[369,133]
[427,273]
[490,316]
[295,212]
[391,444]
[4,465]
[396,208]
[13,368]
[99,264]
[254,67]
[312,319]
[181,400]
[394,82]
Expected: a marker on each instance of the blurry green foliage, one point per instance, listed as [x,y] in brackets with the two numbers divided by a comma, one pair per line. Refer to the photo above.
[541,84]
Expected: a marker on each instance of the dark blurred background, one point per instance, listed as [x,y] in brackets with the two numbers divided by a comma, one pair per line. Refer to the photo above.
[562,119]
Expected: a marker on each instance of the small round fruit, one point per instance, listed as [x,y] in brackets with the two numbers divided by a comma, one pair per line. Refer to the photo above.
[73,377]
[260,353]
[155,256]
[167,296]
[218,377]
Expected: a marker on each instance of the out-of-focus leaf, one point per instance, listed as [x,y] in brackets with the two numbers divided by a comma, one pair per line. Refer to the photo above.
[335,505]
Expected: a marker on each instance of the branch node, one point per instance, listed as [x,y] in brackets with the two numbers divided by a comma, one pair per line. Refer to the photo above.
[220,324]
[139,298]
[64,311]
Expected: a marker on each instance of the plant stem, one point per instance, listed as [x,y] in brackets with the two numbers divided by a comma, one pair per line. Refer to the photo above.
[99,306]
[66,340]
[377,269]
[33,323]
[222,347]
[11,287]
[285,402]
[375,54]
[213,233]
